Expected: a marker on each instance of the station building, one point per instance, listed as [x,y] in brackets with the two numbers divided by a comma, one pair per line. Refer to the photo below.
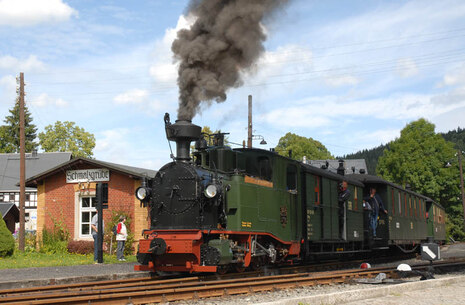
[9,183]
[66,195]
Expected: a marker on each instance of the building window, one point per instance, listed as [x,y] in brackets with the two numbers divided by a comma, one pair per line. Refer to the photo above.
[87,211]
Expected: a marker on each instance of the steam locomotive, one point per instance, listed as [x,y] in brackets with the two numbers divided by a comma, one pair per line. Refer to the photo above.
[224,209]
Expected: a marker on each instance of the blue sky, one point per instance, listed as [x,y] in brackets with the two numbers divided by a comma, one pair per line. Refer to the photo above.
[350,74]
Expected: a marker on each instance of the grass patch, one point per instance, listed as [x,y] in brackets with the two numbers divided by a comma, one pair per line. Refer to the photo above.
[37,259]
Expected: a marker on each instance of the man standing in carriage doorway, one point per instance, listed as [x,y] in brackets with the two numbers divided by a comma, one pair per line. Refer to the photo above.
[343,196]
[376,204]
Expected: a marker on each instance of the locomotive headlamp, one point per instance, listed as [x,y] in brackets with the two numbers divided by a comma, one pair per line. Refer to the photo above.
[211,191]
[142,193]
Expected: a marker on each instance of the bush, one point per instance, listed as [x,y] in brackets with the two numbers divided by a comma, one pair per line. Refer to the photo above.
[81,247]
[30,241]
[56,239]
[7,242]
[52,242]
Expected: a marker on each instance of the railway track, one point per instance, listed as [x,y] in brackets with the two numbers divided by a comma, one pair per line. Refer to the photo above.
[149,290]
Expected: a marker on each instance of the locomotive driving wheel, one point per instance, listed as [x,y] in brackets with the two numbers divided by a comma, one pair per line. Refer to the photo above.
[256,264]
[239,267]
[222,269]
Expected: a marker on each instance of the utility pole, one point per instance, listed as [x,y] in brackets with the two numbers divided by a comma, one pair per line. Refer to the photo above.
[249,125]
[461,182]
[22,165]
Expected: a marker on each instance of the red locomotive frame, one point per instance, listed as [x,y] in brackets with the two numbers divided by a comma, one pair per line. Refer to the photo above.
[183,249]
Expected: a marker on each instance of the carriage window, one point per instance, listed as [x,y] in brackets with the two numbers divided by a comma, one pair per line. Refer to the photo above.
[393,202]
[291,181]
[317,190]
[418,208]
[400,203]
[410,205]
[405,204]
[355,199]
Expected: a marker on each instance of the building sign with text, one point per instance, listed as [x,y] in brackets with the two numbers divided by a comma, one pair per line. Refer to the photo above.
[87,175]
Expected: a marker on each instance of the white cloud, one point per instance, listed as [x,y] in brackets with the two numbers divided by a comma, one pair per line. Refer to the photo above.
[30,64]
[44,100]
[134,96]
[324,111]
[164,69]
[143,101]
[31,12]
[455,77]
[406,67]
[117,145]
[366,139]
[9,83]
[112,140]
[277,66]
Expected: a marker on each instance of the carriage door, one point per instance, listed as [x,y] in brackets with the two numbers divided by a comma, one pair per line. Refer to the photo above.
[291,184]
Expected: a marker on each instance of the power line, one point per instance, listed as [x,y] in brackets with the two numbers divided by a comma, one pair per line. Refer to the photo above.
[375,70]
[297,51]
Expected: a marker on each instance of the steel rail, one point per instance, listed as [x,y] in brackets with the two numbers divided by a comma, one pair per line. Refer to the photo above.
[170,290]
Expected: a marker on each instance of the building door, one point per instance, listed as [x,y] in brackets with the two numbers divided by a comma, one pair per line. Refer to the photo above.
[88,208]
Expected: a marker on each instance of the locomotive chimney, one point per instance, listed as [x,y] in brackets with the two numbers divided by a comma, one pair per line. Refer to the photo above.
[183,132]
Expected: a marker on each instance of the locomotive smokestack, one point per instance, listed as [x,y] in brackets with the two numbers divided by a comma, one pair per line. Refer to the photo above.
[183,132]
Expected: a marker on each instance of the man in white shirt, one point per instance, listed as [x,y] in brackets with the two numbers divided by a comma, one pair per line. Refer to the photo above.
[94,226]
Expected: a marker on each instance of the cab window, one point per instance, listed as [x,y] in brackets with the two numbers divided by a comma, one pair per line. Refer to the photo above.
[291,181]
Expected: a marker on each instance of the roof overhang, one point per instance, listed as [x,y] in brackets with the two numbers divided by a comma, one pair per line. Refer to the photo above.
[77,163]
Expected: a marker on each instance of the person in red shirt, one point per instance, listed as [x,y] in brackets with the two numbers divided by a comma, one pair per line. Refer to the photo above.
[121,236]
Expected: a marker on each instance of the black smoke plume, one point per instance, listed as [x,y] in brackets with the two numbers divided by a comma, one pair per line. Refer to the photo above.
[226,39]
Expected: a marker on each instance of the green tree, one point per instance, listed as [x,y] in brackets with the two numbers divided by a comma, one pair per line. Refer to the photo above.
[9,133]
[371,156]
[7,242]
[66,136]
[302,146]
[456,136]
[418,158]
[6,144]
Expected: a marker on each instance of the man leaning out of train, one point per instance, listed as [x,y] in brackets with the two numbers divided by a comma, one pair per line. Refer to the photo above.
[121,236]
[376,204]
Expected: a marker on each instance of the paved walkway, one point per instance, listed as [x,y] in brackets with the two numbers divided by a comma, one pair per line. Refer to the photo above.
[449,294]
[445,291]
[26,277]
